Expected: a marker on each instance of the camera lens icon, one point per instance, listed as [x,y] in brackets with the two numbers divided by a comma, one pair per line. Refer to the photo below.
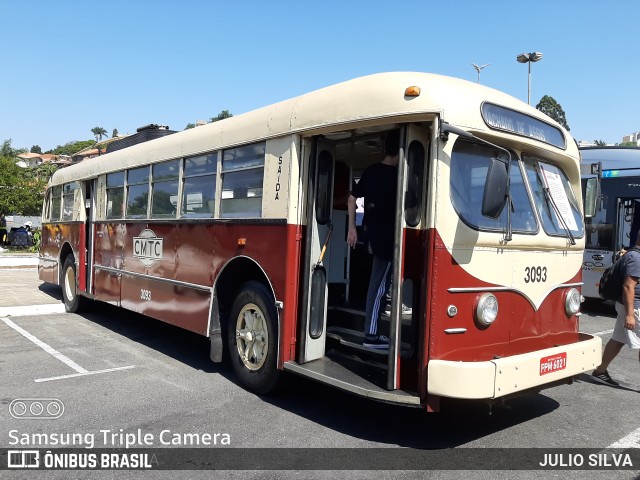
[36,408]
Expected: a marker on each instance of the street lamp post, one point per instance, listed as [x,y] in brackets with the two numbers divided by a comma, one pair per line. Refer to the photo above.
[478,68]
[529,58]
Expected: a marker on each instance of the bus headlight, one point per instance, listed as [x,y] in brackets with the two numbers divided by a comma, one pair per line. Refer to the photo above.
[486,309]
[572,302]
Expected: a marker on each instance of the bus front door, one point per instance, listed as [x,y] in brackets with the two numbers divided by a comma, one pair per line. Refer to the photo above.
[319,230]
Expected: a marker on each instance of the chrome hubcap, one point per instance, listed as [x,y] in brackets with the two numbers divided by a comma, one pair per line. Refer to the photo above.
[252,336]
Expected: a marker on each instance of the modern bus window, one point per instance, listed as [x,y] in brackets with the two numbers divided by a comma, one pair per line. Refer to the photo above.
[115,195]
[56,197]
[469,167]
[415,180]
[562,196]
[242,179]
[199,189]
[164,189]
[68,197]
[137,192]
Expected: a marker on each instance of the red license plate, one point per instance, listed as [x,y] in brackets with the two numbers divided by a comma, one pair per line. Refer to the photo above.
[553,363]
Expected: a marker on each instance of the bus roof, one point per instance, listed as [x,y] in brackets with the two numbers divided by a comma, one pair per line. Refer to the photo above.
[372,97]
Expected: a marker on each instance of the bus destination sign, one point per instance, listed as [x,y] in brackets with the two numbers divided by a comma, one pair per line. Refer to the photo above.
[500,118]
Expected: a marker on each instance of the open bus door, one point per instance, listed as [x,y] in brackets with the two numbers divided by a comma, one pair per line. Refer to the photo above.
[313,327]
[412,165]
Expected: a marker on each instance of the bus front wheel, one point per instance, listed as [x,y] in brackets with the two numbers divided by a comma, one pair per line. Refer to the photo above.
[252,337]
[69,287]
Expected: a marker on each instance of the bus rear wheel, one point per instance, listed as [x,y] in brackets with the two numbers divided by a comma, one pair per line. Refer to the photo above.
[252,338]
[69,285]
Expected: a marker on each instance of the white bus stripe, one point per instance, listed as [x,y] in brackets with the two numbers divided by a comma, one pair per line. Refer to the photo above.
[45,347]
[72,375]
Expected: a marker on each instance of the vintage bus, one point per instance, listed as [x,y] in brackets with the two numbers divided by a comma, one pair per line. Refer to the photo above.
[611,182]
[236,230]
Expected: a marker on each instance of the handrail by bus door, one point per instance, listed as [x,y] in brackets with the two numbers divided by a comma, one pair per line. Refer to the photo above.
[395,320]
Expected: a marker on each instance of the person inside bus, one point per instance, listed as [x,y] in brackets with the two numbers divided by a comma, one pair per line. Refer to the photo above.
[627,328]
[378,187]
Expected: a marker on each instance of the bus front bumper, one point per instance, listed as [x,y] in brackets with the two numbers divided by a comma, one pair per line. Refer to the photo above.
[505,376]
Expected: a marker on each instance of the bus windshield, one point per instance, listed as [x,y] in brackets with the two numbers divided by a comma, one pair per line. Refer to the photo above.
[553,198]
[559,208]
[469,166]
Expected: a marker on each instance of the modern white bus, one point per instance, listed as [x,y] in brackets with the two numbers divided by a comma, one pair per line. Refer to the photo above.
[611,182]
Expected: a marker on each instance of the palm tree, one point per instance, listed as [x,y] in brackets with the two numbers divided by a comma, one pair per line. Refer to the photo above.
[99,132]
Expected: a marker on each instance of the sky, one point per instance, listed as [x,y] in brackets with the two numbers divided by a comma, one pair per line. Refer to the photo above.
[73,65]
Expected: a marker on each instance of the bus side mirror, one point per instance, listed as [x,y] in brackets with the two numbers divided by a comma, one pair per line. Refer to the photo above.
[494,197]
[591,196]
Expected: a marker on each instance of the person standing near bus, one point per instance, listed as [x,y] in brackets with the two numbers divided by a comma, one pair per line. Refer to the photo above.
[3,229]
[627,327]
[378,186]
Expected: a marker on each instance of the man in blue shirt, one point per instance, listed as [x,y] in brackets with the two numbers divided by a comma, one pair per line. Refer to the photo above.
[627,328]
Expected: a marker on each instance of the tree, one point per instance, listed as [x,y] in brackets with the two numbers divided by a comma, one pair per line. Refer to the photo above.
[600,143]
[7,151]
[222,115]
[99,132]
[114,134]
[71,148]
[21,189]
[190,125]
[36,149]
[553,109]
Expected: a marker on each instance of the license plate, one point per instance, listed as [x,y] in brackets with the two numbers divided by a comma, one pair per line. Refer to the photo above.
[553,363]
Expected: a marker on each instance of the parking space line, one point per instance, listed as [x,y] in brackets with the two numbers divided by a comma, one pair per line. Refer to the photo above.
[22,311]
[630,441]
[72,375]
[50,350]
[63,358]
[603,333]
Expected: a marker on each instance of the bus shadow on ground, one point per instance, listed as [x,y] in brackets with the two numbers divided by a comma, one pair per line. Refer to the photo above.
[182,345]
[459,422]
[54,291]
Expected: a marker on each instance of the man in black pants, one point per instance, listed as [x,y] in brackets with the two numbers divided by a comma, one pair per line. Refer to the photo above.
[378,187]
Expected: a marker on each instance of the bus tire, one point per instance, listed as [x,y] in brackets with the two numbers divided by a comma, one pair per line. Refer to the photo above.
[69,285]
[252,338]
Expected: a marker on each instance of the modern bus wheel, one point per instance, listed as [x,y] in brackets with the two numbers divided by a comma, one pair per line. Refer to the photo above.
[252,337]
[69,287]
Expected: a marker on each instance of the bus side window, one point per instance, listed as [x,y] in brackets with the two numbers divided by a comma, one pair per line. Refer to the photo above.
[115,195]
[242,180]
[199,186]
[56,197]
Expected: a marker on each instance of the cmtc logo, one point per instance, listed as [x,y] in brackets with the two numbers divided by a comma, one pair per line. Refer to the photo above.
[36,408]
[147,247]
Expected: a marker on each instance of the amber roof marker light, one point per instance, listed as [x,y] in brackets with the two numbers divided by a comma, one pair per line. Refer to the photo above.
[412,91]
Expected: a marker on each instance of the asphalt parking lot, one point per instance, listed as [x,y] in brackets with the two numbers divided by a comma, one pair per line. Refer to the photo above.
[118,373]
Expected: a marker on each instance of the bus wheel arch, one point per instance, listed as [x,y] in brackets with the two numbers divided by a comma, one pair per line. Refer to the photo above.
[65,252]
[249,324]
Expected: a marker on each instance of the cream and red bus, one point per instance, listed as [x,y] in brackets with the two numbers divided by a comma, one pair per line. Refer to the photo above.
[236,230]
